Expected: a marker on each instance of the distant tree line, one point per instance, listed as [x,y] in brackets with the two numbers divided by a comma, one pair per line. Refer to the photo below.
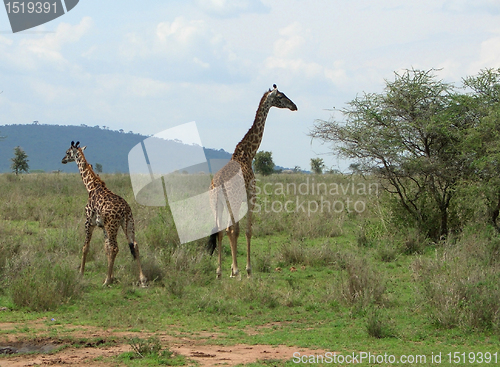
[435,146]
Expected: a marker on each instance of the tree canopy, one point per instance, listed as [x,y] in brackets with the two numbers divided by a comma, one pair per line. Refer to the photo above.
[263,163]
[317,165]
[20,161]
[423,138]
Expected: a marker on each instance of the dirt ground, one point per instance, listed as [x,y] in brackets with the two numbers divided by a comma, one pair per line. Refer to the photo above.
[31,344]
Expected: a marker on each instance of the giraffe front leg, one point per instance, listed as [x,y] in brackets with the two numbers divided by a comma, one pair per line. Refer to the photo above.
[233,234]
[248,235]
[251,197]
[89,229]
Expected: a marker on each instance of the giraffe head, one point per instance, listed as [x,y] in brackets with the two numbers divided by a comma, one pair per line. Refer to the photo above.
[72,152]
[278,99]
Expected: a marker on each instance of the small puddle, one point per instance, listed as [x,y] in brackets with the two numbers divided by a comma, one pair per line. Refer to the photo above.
[18,348]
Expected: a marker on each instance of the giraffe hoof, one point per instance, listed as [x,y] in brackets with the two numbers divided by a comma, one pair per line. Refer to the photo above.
[108,282]
[236,275]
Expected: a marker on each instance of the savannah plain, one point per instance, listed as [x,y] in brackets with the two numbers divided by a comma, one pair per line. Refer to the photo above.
[334,274]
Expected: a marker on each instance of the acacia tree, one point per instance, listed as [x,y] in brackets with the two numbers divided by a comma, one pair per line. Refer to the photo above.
[20,161]
[263,163]
[482,143]
[317,165]
[408,136]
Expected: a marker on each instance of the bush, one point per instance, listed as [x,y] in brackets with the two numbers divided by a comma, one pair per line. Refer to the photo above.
[459,288]
[44,285]
[144,348]
[378,326]
[361,285]
[297,253]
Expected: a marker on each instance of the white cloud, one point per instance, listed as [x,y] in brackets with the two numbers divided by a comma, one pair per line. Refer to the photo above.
[468,6]
[49,47]
[47,51]
[128,86]
[295,54]
[182,49]
[181,31]
[307,69]
[231,8]
[5,41]
[204,65]
[191,42]
[489,55]
[53,93]
[292,41]
[134,46]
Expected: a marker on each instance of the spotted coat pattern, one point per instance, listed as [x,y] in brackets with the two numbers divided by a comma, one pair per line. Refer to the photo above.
[242,158]
[104,209]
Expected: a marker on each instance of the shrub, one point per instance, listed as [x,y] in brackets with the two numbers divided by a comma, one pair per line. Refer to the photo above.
[144,348]
[44,285]
[378,326]
[297,253]
[361,285]
[458,289]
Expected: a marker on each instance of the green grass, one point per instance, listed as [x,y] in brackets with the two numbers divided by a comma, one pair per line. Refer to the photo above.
[339,281]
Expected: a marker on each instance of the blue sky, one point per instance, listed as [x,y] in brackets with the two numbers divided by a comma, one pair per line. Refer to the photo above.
[147,66]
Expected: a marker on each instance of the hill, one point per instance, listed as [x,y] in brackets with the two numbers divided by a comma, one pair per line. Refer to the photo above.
[46,145]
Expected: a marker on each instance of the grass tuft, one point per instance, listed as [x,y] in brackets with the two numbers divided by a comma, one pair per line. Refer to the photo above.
[44,285]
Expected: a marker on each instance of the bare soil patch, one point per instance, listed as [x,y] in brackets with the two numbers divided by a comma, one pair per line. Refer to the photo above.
[91,346]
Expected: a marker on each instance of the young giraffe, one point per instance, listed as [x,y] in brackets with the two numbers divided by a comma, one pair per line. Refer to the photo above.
[104,209]
[242,159]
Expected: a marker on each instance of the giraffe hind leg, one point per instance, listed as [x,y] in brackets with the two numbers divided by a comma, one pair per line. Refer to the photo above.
[128,228]
[111,247]
[132,250]
[219,235]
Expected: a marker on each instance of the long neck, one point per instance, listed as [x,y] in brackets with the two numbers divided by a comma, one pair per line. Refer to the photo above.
[248,146]
[90,179]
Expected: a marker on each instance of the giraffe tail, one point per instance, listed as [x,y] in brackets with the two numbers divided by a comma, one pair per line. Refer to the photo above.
[212,243]
[132,250]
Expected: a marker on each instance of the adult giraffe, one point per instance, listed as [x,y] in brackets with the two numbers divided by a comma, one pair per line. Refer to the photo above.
[223,182]
[104,209]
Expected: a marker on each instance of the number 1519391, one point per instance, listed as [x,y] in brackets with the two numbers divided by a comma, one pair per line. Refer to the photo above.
[478,357]
[30,7]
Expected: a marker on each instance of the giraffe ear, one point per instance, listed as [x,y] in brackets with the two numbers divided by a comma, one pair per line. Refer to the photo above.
[83,148]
